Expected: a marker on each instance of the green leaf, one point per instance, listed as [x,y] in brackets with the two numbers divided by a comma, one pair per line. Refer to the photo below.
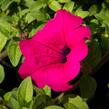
[5,27]
[107,1]
[29,18]
[82,13]
[6,4]
[93,10]
[2,74]
[105,44]
[11,99]
[103,17]
[47,90]
[14,53]
[40,15]
[38,5]
[39,102]
[2,107]
[7,96]
[13,103]
[10,94]
[94,26]
[32,32]
[95,53]
[25,91]
[108,85]
[1,2]
[87,86]
[23,12]
[4,31]
[94,21]
[70,106]
[64,1]
[3,41]
[38,91]
[24,108]
[54,107]
[66,97]
[54,5]
[29,3]
[78,102]
[69,6]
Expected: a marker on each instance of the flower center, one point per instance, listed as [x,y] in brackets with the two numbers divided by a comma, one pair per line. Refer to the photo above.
[65,51]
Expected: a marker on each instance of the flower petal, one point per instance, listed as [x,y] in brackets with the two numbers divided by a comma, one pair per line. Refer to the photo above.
[79,52]
[70,21]
[27,68]
[61,87]
[51,33]
[56,76]
[74,37]
[43,52]
[39,78]
[55,35]
[24,47]
[37,57]
[71,69]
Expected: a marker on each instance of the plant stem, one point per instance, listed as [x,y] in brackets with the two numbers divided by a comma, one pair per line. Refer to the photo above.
[3,55]
[87,68]
[104,59]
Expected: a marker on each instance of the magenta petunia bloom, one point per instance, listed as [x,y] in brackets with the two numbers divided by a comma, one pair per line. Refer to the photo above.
[53,55]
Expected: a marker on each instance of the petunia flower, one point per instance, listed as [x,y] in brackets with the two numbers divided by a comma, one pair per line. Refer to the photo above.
[53,54]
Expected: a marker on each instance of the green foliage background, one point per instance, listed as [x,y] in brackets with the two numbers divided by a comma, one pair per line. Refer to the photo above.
[20,19]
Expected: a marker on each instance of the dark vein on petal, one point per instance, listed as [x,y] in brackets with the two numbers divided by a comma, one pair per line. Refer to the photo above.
[46,65]
[49,47]
[48,55]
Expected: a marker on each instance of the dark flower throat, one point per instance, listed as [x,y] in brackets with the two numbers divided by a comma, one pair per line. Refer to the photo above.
[65,51]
